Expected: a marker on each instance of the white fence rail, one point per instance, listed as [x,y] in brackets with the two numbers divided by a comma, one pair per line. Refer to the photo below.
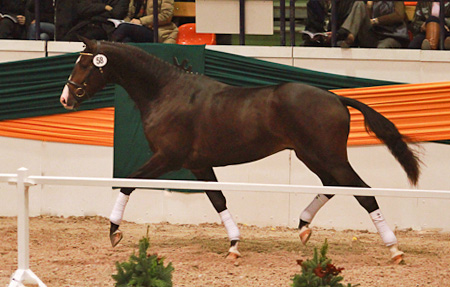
[24,275]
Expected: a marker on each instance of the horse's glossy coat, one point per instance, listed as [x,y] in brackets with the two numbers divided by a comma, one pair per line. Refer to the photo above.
[198,123]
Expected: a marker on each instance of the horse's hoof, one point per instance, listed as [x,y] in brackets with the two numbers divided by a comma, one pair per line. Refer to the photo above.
[233,256]
[305,234]
[397,259]
[396,255]
[115,237]
[233,252]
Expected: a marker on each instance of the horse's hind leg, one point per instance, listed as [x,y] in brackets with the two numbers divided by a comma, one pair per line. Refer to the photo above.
[153,168]
[387,235]
[219,202]
[346,176]
[311,210]
[338,172]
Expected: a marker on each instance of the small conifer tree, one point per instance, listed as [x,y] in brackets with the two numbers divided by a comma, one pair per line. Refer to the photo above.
[319,272]
[143,270]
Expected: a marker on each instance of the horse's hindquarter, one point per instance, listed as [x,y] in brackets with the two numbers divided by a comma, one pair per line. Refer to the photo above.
[314,120]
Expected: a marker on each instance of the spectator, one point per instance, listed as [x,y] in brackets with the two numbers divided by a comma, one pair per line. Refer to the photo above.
[12,23]
[92,18]
[379,24]
[425,26]
[46,20]
[319,19]
[141,12]
[65,17]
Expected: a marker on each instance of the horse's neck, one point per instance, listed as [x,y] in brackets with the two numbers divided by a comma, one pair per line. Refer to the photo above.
[143,82]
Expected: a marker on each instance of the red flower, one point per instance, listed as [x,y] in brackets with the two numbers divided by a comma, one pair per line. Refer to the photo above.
[320,272]
[331,269]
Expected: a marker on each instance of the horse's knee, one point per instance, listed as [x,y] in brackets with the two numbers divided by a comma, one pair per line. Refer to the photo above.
[368,202]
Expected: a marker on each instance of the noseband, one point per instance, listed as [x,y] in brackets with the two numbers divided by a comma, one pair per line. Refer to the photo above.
[80,93]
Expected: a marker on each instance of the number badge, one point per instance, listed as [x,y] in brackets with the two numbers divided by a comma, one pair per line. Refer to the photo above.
[100,60]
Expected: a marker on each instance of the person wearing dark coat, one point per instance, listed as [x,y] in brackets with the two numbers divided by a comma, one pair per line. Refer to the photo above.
[93,17]
[46,20]
[12,23]
[65,17]
[319,20]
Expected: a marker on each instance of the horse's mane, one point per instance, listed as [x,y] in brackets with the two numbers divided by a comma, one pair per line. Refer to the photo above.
[138,57]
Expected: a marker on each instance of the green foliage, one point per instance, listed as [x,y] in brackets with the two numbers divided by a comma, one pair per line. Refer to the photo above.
[143,270]
[319,272]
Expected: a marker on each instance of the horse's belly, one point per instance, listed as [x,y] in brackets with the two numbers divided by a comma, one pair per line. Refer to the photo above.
[223,155]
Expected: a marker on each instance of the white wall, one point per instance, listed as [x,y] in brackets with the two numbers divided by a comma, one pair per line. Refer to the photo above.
[374,163]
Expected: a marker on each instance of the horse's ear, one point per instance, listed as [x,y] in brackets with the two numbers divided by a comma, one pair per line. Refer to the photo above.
[90,44]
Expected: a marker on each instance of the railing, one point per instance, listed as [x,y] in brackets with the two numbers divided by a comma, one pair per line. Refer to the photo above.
[24,275]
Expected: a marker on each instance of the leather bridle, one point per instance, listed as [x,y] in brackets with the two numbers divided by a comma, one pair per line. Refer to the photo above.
[80,93]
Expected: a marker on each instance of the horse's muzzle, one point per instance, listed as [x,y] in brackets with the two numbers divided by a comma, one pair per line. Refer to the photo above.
[67,100]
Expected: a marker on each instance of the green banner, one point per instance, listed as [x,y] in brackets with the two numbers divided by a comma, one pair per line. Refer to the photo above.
[32,88]
[131,148]
[244,71]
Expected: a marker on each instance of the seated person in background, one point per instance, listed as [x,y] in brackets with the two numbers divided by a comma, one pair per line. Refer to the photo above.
[93,17]
[140,12]
[12,23]
[377,24]
[65,17]
[46,19]
[425,26]
[318,20]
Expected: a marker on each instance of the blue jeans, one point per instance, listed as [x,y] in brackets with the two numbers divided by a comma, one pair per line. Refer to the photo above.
[47,31]
[126,32]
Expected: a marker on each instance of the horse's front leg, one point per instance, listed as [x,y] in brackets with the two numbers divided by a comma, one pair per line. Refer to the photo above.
[219,202]
[153,168]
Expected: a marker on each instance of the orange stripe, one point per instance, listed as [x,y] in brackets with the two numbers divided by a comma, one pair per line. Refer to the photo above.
[420,111]
[94,127]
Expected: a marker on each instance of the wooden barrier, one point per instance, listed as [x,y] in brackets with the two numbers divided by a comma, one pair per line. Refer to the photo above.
[184,9]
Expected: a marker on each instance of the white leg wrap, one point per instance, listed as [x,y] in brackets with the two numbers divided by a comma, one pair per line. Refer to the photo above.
[310,211]
[119,208]
[230,225]
[385,231]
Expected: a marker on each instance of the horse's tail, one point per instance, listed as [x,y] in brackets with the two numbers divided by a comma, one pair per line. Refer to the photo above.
[388,133]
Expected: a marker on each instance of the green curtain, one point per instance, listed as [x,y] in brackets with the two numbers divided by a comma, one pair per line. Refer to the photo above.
[244,71]
[32,87]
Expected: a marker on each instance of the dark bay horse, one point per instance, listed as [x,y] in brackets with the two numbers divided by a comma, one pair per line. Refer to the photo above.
[197,123]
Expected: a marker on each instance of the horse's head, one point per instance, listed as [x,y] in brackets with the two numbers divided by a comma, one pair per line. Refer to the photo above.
[87,76]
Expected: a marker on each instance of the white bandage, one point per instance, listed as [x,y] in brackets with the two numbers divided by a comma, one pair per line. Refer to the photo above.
[230,225]
[119,208]
[385,231]
[310,211]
